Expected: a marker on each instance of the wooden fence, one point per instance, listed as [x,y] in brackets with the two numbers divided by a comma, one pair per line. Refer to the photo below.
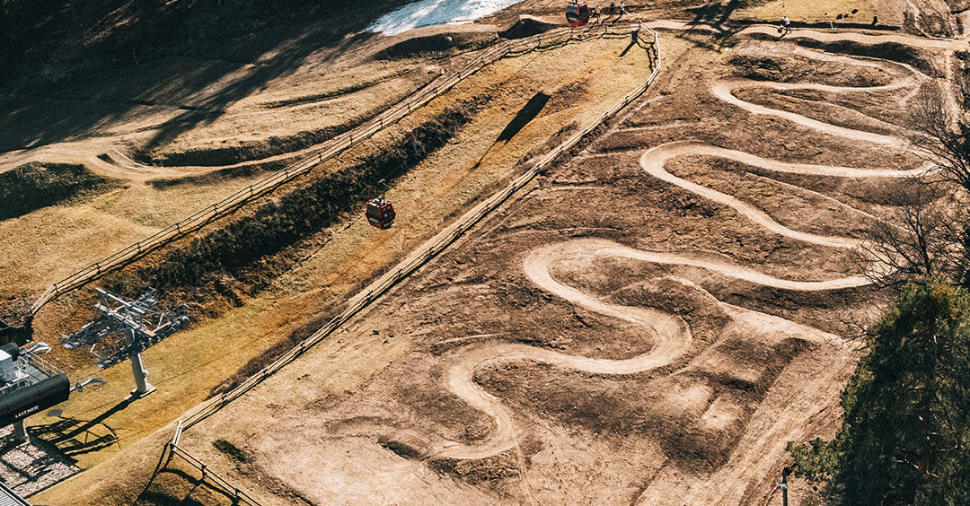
[645,37]
[327,151]
[212,479]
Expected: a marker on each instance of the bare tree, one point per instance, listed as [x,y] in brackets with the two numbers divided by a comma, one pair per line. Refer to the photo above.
[944,139]
[930,234]
[926,238]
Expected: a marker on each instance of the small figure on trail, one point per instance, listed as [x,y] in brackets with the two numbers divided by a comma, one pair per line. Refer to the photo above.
[785,27]
[623,7]
[612,8]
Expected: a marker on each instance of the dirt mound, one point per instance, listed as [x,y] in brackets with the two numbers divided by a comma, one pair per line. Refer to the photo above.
[921,59]
[526,27]
[437,45]
[405,445]
[219,176]
[35,185]
[493,469]
[680,297]
[761,67]
[245,151]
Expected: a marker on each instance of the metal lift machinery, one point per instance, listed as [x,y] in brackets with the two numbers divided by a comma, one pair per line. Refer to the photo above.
[122,329]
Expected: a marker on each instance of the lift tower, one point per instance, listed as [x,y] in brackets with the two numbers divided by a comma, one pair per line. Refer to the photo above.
[123,329]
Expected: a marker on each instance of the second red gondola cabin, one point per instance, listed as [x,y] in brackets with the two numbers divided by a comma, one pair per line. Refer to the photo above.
[577,14]
[380,213]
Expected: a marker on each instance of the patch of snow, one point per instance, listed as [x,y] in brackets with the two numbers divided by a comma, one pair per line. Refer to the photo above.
[436,12]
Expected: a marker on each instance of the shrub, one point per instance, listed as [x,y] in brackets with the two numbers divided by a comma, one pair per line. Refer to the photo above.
[905,437]
[303,212]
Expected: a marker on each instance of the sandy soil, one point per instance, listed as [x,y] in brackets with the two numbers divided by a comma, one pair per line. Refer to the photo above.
[657,316]
[650,323]
[187,366]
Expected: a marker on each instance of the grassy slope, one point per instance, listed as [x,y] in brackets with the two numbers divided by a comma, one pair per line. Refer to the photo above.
[186,366]
[35,185]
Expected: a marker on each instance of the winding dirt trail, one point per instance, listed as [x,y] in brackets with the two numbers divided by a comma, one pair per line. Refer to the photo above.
[671,334]
[653,161]
[826,36]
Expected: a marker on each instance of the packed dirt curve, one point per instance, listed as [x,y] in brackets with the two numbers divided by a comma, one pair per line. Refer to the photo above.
[654,319]
[652,322]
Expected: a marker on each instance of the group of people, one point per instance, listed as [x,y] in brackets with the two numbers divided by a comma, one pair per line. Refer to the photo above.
[613,10]
[784,28]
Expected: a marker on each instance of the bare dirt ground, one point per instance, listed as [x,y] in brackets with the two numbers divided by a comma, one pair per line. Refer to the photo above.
[651,323]
[661,313]
[187,366]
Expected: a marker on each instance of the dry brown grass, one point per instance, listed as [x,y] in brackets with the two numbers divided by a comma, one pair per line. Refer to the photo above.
[362,407]
[187,365]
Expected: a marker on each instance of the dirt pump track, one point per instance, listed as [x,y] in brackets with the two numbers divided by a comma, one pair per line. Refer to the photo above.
[671,334]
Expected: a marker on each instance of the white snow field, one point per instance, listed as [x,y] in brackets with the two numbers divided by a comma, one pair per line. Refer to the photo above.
[436,12]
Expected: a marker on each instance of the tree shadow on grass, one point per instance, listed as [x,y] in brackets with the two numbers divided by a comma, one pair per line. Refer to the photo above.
[714,16]
[196,76]
[526,114]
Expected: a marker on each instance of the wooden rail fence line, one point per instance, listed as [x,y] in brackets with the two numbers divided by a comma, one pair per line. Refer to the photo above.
[327,151]
[403,270]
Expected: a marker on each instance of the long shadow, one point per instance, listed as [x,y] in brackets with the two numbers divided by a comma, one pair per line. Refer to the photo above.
[526,114]
[63,434]
[627,49]
[713,15]
[149,496]
[36,115]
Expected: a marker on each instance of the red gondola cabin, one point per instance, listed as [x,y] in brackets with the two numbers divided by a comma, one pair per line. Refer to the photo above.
[380,213]
[577,14]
